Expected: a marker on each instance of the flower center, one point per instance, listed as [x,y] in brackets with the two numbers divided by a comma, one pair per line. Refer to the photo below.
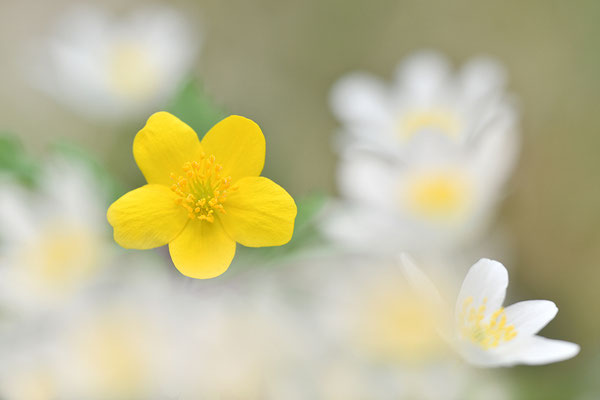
[61,258]
[438,120]
[131,71]
[116,354]
[439,195]
[399,326]
[485,332]
[201,190]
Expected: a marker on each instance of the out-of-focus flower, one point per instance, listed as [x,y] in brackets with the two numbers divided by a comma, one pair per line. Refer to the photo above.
[483,331]
[53,240]
[424,101]
[27,370]
[105,67]
[250,346]
[433,199]
[117,348]
[374,337]
[379,316]
[395,326]
[423,163]
[202,197]
[115,344]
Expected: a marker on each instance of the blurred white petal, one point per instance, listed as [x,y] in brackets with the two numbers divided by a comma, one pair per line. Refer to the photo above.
[487,281]
[530,316]
[539,350]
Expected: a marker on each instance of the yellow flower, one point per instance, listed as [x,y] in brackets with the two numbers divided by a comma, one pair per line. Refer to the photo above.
[202,196]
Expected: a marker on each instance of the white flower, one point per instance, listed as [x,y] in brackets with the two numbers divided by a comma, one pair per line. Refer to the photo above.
[54,239]
[374,336]
[119,346]
[424,99]
[104,67]
[27,371]
[376,315]
[483,331]
[120,343]
[423,163]
[244,344]
[433,199]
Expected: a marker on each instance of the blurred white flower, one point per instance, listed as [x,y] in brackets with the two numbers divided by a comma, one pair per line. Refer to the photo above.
[244,344]
[108,67]
[27,370]
[425,98]
[434,199]
[483,331]
[375,337]
[423,163]
[125,339]
[53,240]
[119,346]
[373,312]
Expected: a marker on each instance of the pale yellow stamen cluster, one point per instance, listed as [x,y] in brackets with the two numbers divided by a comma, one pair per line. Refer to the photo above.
[439,196]
[131,74]
[485,332]
[201,190]
[440,120]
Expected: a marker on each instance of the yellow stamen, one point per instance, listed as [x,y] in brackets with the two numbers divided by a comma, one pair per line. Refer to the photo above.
[201,189]
[438,120]
[487,333]
[439,195]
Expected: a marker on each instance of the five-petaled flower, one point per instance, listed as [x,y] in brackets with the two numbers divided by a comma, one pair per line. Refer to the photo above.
[483,331]
[202,196]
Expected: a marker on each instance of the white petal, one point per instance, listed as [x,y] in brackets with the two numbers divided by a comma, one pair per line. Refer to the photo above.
[369,179]
[423,74]
[495,148]
[482,76]
[18,221]
[71,192]
[475,355]
[539,350]
[361,228]
[529,317]
[486,280]
[359,97]
[164,30]
[421,283]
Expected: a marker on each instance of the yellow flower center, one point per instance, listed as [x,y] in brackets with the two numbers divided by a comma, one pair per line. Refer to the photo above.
[439,195]
[485,332]
[131,73]
[201,190]
[438,120]
[113,355]
[399,326]
[60,259]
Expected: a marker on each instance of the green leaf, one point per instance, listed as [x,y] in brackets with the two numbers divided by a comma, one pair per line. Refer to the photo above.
[15,161]
[194,106]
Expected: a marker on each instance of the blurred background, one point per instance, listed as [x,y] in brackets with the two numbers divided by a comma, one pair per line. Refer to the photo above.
[276,62]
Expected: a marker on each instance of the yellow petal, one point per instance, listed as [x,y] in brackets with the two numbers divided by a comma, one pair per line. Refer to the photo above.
[238,145]
[259,213]
[146,217]
[203,250]
[163,146]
